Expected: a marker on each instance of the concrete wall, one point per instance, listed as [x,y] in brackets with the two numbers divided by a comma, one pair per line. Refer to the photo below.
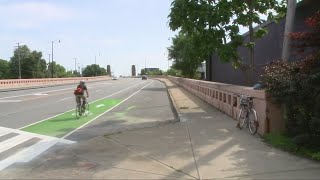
[224,97]
[17,83]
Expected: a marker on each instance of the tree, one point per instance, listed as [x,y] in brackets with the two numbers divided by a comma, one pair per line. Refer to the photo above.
[185,54]
[94,70]
[20,53]
[143,72]
[60,71]
[4,69]
[31,63]
[33,66]
[215,24]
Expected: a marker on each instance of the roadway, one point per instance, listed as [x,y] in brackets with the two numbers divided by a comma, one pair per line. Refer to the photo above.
[44,117]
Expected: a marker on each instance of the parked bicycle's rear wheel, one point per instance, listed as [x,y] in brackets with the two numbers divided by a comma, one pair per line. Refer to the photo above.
[242,117]
[253,122]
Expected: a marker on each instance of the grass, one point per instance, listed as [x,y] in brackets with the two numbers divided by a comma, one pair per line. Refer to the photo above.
[285,143]
[63,124]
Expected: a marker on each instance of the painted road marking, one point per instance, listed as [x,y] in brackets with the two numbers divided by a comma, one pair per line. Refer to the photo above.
[4,132]
[65,98]
[8,101]
[92,102]
[40,94]
[66,122]
[12,142]
[100,105]
[27,153]
[98,90]
[106,111]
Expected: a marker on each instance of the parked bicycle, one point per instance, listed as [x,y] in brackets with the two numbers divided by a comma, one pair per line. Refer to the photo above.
[247,115]
[82,109]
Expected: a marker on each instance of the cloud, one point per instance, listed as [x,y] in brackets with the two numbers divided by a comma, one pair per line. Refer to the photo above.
[33,14]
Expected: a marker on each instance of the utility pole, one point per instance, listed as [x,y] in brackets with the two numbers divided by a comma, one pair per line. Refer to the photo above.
[75,65]
[49,65]
[19,60]
[78,67]
[95,62]
[52,57]
[291,9]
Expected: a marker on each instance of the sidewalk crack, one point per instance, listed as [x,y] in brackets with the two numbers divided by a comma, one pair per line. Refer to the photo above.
[149,157]
[191,145]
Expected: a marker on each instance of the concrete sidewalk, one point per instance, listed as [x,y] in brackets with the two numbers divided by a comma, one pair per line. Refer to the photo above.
[204,145]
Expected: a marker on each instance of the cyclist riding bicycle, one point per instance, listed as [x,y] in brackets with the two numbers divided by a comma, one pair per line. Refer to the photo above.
[79,93]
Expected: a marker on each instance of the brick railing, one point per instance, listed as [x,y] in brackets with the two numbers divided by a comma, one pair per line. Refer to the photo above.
[224,97]
[18,83]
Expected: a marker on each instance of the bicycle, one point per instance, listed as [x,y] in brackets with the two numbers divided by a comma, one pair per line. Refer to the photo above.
[247,114]
[82,109]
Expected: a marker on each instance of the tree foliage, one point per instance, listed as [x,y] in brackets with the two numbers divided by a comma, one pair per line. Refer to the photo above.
[4,69]
[94,70]
[184,52]
[215,24]
[297,85]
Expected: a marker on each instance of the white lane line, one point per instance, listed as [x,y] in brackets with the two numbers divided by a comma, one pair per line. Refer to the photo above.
[40,94]
[65,98]
[105,111]
[98,90]
[28,153]
[14,141]
[90,103]
[8,101]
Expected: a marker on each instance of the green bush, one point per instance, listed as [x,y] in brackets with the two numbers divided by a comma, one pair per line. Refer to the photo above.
[296,85]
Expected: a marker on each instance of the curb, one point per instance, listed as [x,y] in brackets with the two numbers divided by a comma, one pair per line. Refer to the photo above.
[174,106]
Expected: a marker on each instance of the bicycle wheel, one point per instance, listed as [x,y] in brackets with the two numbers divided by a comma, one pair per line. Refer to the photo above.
[78,111]
[242,117]
[86,110]
[253,122]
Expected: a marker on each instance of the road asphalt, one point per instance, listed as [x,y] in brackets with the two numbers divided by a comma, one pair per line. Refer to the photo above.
[151,140]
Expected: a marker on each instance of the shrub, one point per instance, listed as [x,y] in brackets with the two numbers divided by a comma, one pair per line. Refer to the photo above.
[296,85]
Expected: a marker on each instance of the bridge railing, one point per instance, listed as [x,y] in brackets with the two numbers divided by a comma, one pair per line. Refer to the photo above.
[224,97]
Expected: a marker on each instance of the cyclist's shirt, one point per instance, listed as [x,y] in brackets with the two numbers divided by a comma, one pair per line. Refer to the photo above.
[83,87]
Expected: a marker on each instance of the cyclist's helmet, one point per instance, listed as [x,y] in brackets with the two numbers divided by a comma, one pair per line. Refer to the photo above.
[82,82]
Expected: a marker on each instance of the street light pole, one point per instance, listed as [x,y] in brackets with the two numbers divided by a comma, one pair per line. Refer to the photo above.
[95,62]
[52,56]
[19,60]
[49,65]
[75,65]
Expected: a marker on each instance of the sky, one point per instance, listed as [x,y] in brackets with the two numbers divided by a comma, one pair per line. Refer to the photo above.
[120,33]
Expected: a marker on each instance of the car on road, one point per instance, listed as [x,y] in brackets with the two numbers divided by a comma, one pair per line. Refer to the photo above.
[144,77]
[114,78]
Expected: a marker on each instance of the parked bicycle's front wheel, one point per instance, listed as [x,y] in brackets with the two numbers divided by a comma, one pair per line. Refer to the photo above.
[253,122]
[242,118]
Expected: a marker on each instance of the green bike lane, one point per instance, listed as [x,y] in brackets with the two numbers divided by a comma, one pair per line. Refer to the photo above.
[65,123]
